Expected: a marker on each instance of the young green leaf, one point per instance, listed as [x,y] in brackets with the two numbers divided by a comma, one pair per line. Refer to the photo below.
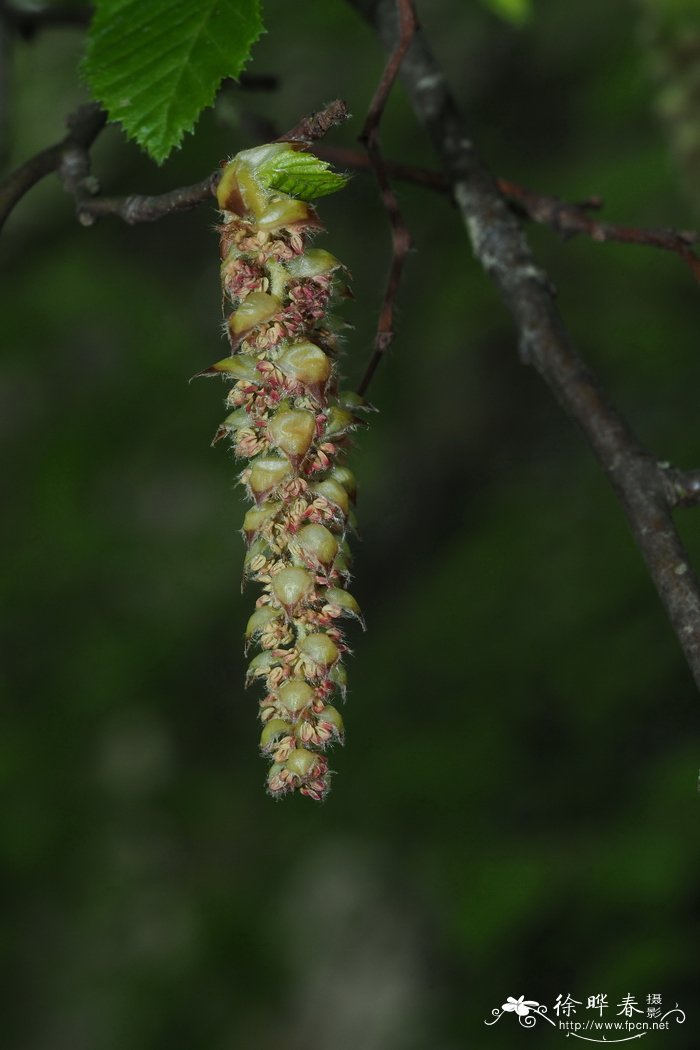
[301,175]
[155,66]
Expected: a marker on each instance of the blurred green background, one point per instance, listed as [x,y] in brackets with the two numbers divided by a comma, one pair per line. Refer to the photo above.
[516,810]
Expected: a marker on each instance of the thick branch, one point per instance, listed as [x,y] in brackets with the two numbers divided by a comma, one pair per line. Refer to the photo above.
[502,249]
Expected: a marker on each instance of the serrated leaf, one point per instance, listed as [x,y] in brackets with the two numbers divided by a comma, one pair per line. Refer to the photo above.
[301,175]
[517,12]
[156,64]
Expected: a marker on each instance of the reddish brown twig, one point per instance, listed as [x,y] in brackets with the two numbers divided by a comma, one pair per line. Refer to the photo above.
[400,236]
[70,158]
[565,218]
[317,125]
[346,157]
[570,219]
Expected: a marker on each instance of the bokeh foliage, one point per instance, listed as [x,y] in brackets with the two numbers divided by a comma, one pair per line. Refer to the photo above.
[516,809]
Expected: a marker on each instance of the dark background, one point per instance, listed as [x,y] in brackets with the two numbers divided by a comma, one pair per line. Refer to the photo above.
[516,809]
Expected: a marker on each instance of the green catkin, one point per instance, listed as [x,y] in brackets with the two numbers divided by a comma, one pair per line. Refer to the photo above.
[288,419]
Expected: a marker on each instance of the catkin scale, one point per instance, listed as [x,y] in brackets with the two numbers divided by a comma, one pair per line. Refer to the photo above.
[291,424]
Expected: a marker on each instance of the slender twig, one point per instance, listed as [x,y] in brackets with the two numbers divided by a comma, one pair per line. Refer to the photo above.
[570,219]
[138,208]
[347,157]
[70,157]
[400,235]
[565,218]
[317,125]
[500,246]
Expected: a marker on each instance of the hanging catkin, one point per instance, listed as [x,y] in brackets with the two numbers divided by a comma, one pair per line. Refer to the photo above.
[291,424]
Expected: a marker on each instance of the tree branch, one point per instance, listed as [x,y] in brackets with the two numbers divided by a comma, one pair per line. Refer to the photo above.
[316,125]
[566,219]
[138,208]
[70,157]
[570,219]
[400,236]
[500,246]
[646,489]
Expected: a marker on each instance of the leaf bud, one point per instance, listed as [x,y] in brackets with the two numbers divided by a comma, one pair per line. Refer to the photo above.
[317,544]
[334,493]
[344,601]
[320,649]
[301,762]
[261,665]
[292,430]
[333,715]
[274,730]
[340,421]
[261,619]
[345,477]
[295,695]
[284,212]
[233,368]
[266,473]
[306,363]
[354,402]
[313,263]
[291,586]
[256,517]
[339,677]
[256,308]
[240,417]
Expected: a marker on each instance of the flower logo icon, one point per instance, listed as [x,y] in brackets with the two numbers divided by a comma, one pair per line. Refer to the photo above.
[528,1011]
[521,1006]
